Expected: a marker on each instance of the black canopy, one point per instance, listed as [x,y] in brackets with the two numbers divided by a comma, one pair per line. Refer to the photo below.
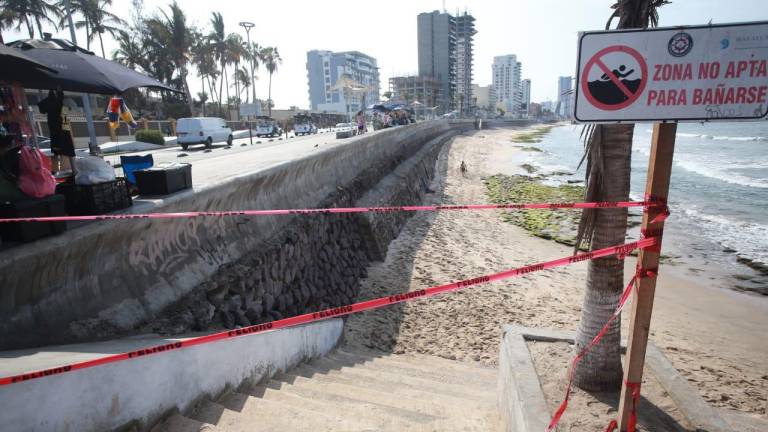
[13,59]
[79,70]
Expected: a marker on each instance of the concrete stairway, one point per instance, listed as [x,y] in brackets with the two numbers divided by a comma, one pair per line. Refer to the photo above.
[356,391]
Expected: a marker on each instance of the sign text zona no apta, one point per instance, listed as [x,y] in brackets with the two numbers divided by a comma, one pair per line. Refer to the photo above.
[697,73]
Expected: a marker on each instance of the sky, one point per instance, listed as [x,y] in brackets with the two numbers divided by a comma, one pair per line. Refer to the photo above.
[542,33]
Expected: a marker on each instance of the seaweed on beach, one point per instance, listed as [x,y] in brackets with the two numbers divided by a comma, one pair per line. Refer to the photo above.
[558,225]
[533,136]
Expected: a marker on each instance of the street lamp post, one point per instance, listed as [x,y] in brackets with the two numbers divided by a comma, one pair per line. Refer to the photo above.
[248,26]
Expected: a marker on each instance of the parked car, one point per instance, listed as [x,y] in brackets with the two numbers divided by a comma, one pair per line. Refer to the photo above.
[268,127]
[346,130]
[302,125]
[202,130]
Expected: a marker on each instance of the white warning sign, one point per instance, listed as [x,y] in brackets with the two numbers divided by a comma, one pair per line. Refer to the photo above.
[702,73]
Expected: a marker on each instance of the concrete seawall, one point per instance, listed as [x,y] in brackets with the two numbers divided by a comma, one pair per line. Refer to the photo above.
[110,278]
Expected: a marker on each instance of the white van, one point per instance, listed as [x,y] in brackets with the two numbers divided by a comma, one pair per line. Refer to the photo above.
[202,130]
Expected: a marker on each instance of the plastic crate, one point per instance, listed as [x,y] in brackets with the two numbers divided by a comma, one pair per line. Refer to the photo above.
[29,231]
[97,198]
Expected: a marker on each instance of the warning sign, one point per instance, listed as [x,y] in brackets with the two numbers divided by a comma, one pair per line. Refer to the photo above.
[703,73]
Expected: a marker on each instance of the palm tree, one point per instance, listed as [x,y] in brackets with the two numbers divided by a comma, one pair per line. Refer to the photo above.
[243,76]
[608,154]
[176,37]
[130,52]
[253,56]
[236,51]
[28,12]
[203,98]
[271,59]
[204,61]
[218,38]
[96,20]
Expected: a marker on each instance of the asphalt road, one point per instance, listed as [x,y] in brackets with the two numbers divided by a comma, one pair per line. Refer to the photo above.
[222,162]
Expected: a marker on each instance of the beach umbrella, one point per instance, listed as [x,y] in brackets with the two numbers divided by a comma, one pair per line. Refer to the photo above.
[416,103]
[16,64]
[79,70]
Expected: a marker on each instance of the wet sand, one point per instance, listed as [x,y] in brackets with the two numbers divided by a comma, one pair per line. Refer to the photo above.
[715,337]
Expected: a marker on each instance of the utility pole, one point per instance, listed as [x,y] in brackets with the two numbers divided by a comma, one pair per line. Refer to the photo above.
[92,143]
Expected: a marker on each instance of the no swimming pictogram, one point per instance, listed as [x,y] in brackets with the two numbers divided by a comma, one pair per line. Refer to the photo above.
[614,78]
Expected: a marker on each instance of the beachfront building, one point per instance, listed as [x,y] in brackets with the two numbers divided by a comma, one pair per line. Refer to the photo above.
[534,110]
[422,93]
[324,68]
[437,53]
[465,31]
[507,87]
[526,97]
[565,96]
[481,96]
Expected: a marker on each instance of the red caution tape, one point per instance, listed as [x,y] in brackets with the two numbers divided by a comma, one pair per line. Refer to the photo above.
[335,312]
[195,214]
[639,274]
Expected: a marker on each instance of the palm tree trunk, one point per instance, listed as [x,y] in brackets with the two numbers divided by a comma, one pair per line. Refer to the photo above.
[202,102]
[226,82]
[187,92]
[87,35]
[237,81]
[29,27]
[221,83]
[269,101]
[600,369]
[101,41]
[39,26]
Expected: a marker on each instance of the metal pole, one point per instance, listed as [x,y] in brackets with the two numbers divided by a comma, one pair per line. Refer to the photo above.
[92,144]
[248,26]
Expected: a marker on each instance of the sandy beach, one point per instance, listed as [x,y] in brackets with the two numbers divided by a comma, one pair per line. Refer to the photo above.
[715,337]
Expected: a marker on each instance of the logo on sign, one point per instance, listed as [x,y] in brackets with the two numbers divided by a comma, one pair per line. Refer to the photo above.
[614,78]
[680,44]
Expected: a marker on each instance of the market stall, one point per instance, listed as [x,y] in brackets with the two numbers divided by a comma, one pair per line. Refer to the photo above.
[83,184]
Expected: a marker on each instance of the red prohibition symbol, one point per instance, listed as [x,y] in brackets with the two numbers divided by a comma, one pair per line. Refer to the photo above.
[619,86]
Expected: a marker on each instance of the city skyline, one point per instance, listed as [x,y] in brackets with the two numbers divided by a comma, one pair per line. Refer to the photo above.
[544,42]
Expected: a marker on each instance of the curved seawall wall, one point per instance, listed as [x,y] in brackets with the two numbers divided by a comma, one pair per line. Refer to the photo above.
[121,277]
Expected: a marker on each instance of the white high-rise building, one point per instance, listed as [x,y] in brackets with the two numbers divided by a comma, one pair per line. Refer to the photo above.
[507,88]
[526,99]
[565,96]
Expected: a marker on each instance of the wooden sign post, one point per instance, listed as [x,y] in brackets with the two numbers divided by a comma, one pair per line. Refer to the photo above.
[657,187]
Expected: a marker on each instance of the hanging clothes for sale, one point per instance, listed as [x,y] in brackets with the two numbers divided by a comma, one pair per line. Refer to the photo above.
[117,110]
[58,124]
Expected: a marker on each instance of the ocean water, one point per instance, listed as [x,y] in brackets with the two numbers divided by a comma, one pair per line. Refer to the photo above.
[718,194]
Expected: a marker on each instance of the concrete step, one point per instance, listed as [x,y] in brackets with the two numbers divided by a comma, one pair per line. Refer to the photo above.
[325,370]
[179,423]
[357,391]
[421,412]
[237,412]
[380,416]
[444,412]
[465,376]
[421,359]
